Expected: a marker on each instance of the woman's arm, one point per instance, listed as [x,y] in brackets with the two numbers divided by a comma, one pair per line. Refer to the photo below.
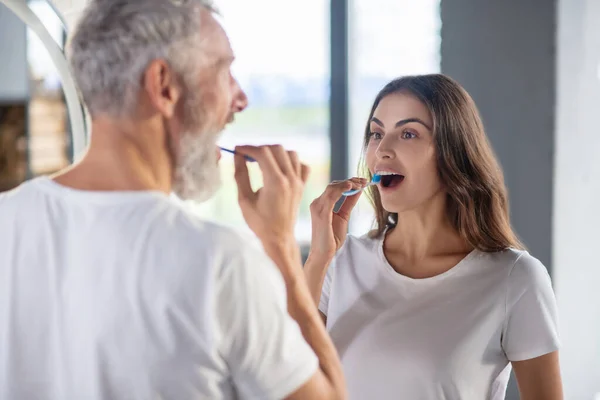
[315,269]
[530,335]
[329,230]
[539,378]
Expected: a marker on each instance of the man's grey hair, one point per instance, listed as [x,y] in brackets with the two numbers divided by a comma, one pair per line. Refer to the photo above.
[115,40]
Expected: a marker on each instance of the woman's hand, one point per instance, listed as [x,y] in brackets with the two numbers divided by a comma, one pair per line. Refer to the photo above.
[329,228]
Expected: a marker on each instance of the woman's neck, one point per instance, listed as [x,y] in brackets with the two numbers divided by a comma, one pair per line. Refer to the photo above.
[425,232]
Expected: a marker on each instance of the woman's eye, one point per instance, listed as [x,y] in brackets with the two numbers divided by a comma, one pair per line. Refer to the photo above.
[375,135]
[408,135]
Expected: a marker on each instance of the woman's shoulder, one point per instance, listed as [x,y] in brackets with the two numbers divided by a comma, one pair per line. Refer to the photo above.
[521,267]
[366,241]
[358,247]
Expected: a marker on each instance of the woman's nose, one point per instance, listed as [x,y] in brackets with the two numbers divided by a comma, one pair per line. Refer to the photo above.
[384,151]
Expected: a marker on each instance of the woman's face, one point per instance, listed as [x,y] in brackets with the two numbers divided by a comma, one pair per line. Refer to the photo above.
[402,150]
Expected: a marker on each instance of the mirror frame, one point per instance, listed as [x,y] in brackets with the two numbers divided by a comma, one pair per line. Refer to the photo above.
[77,113]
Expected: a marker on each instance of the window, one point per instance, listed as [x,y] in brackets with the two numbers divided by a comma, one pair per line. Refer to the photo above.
[282,62]
[388,39]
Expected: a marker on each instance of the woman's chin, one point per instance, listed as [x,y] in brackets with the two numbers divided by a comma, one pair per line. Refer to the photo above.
[393,207]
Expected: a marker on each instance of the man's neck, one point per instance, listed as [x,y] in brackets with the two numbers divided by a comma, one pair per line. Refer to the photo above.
[123,155]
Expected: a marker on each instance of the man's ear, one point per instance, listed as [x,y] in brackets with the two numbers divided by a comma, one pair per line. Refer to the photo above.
[162,87]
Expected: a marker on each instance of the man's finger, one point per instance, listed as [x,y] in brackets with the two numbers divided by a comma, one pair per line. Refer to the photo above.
[295,160]
[283,160]
[263,156]
[242,178]
[304,172]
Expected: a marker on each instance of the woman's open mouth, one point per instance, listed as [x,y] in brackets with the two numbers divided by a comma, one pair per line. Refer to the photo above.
[390,180]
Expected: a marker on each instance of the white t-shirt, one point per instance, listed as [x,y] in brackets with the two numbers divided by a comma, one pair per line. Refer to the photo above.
[125,295]
[448,337]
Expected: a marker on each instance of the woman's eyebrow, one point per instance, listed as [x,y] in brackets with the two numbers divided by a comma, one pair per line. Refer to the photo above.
[402,122]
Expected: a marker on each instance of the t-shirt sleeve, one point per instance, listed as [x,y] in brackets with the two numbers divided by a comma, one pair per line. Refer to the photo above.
[262,345]
[531,323]
[326,290]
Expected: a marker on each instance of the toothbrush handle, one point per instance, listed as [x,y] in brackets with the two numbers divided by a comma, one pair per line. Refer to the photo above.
[351,192]
[248,158]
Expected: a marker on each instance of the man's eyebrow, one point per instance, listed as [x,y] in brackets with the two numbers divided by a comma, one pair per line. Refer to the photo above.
[227,60]
[219,62]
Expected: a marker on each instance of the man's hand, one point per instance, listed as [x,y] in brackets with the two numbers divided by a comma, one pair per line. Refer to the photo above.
[271,211]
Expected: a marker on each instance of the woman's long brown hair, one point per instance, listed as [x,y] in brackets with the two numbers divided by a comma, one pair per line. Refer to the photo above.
[477,201]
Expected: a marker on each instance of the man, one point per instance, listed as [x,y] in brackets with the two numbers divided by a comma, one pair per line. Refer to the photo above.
[108,288]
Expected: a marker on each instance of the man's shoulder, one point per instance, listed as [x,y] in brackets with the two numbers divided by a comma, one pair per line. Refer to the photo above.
[16,192]
[189,223]
[14,199]
[233,253]
[189,232]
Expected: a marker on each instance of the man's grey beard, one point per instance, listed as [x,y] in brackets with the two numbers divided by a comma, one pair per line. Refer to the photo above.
[197,176]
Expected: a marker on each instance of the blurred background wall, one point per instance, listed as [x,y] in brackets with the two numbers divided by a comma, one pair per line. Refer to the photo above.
[577,194]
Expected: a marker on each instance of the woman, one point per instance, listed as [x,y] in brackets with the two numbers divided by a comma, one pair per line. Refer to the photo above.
[440,299]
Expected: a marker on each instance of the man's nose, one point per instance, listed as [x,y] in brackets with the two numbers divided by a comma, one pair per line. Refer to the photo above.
[240,100]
